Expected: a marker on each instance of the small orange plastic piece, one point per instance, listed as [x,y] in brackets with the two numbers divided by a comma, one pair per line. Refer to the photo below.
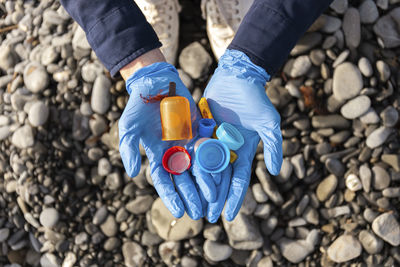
[205,109]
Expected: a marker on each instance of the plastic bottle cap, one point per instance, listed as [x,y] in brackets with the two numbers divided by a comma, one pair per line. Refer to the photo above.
[230,136]
[199,142]
[176,160]
[206,127]
[212,156]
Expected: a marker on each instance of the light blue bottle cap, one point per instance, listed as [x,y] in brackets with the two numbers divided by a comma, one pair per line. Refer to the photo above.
[230,136]
[206,127]
[212,156]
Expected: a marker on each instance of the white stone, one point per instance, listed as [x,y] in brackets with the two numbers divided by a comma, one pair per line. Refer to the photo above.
[353,183]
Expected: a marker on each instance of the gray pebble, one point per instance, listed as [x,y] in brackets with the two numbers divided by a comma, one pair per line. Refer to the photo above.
[286,171]
[104,167]
[328,121]
[341,58]
[49,260]
[23,137]
[36,78]
[356,107]
[386,29]
[365,67]
[368,12]
[344,248]
[113,181]
[383,70]
[195,60]
[258,193]
[300,66]
[109,227]
[366,177]
[38,114]
[332,24]
[268,185]
[393,160]
[134,254]
[326,187]
[295,251]
[347,81]
[4,234]
[370,242]
[100,100]
[391,192]
[339,6]
[378,137]
[91,70]
[389,116]
[212,232]
[100,215]
[388,228]
[216,251]
[306,43]
[298,165]
[140,204]
[335,167]
[317,57]
[369,215]
[352,27]
[111,243]
[381,178]
[49,217]
[370,117]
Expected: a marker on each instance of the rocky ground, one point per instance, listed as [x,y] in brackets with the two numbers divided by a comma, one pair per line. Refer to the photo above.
[65,198]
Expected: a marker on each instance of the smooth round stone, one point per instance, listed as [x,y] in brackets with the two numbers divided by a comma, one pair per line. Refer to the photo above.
[326,187]
[381,178]
[111,243]
[259,194]
[109,227]
[286,171]
[383,70]
[330,121]
[23,137]
[79,40]
[391,192]
[170,228]
[7,58]
[370,242]
[140,204]
[344,248]
[100,215]
[339,6]
[38,114]
[91,70]
[332,24]
[4,234]
[388,228]
[389,116]
[104,167]
[356,107]
[97,124]
[49,260]
[49,55]
[216,251]
[36,78]
[365,67]
[387,29]
[134,254]
[353,183]
[317,57]
[335,167]
[368,12]
[5,131]
[306,43]
[366,176]
[195,60]
[347,81]
[100,100]
[49,217]
[378,137]
[370,117]
[352,27]
[187,81]
[300,66]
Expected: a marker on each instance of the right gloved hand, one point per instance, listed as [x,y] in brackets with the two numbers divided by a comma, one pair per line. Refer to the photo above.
[140,122]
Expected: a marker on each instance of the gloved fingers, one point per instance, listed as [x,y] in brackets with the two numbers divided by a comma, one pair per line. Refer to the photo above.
[214,209]
[272,140]
[189,195]
[240,182]
[166,190]
[204,202]
[205,183]
[217,178]
[130,154]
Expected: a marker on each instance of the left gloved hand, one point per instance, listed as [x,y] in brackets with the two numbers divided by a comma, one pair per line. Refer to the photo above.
[236,95]
[140,121]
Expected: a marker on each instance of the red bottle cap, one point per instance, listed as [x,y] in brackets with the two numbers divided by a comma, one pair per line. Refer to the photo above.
[176,160]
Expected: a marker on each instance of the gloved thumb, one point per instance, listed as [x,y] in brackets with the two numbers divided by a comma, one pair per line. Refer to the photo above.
[272,139]
[130,154]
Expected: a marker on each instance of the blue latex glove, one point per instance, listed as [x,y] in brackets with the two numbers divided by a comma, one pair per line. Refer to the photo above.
[236,95]
[140,121]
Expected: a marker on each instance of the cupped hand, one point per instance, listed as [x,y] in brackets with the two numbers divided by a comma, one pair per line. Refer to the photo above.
[236,94]
[140,122]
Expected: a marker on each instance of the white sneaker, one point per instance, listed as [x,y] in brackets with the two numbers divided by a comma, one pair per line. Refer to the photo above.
[163,16]
[223,19]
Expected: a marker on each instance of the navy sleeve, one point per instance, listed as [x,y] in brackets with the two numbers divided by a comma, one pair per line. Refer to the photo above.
[116,30]
[271,28]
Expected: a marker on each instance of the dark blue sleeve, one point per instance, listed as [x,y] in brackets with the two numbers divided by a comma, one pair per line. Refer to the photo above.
[116,30]
[271,28]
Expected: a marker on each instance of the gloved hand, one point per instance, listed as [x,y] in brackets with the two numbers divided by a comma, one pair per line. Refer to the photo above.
[236,95]
[141,121]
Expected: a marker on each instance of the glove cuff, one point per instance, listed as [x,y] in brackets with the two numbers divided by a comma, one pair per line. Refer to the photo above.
[155,69]
[238,60]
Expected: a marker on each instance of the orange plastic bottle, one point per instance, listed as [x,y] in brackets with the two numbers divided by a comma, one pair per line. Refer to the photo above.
[176,121]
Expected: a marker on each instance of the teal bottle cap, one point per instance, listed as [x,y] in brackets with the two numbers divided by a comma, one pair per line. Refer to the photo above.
[230,136]
[212,156]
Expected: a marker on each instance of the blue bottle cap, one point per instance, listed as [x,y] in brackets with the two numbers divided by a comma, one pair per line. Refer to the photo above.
[206,127]
[230,136]
[212,156]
